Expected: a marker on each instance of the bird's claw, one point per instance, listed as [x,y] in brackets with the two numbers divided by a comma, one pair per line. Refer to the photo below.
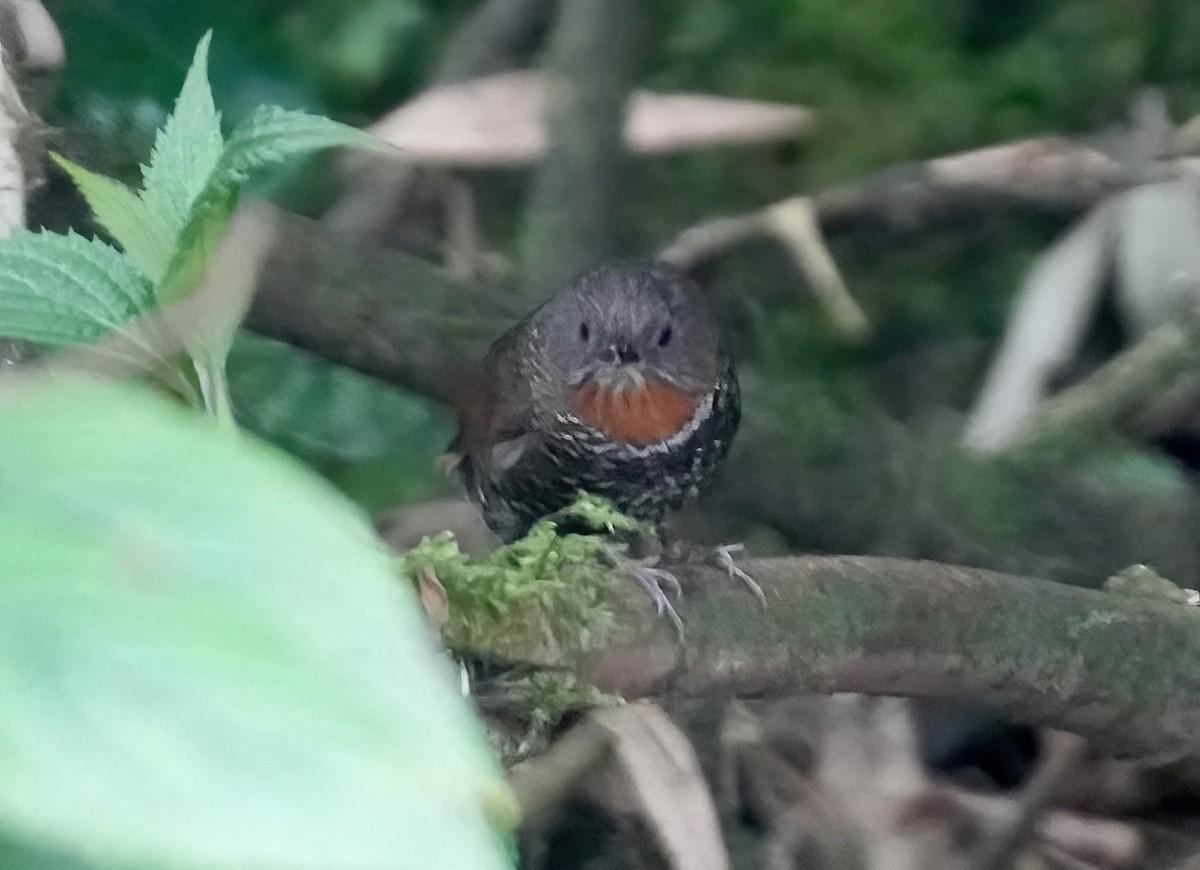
[725,560]
[653,580]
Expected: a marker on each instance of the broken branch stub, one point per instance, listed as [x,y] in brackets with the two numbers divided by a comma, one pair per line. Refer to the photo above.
[1052,312]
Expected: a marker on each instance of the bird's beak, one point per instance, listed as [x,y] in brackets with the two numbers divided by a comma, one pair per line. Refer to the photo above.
[617,376]
[620,377]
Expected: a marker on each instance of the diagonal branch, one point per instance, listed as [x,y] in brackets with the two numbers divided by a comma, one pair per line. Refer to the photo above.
[1125,388]
[382,312]
[361,308]
[1042,174]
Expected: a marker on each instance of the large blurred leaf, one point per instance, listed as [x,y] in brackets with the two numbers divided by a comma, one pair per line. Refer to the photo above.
[205,660]
[320,410]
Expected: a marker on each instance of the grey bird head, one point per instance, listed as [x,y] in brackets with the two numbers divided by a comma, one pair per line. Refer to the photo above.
[617,326]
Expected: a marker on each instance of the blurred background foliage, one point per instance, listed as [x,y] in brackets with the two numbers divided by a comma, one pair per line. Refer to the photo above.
[870,430]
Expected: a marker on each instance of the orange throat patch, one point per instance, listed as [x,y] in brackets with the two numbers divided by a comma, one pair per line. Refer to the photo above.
[639,417]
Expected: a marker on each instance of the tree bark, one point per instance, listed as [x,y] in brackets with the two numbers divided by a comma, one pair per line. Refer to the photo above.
[356,303]
[1117,669]
[572,214]
[381,312]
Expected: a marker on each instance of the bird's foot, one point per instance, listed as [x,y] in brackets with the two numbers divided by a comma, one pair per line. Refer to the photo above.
[724,559]
[661,585]
[658,582]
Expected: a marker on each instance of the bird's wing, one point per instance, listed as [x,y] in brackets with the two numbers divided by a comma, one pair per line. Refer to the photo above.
[496,419]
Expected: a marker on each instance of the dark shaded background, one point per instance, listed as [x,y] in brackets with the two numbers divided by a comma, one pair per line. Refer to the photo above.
[847,447]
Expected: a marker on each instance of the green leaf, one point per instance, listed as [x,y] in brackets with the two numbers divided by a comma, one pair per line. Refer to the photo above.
[375,442]
[196,243]
[205,660]
[186,150]
[125,216]
[274,135]
[59,289]
[14,856]
[269,136]
[322,411]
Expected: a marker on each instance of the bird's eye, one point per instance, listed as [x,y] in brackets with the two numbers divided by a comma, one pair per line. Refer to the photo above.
[664,337]
[584,332]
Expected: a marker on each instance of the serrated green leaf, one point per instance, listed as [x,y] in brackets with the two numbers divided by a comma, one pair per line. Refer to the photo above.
[125,216]
[62,289]
[205,660]
[271,135]
[186,150]
[196,242]
[274,135]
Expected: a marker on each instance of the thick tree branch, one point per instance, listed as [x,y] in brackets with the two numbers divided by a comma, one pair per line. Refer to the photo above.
[1117,669]
[361,309]
[385,313]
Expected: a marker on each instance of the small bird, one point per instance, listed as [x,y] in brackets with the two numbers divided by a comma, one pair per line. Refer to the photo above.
[618,384]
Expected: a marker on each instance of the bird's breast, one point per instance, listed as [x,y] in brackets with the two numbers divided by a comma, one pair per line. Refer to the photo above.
[640,417]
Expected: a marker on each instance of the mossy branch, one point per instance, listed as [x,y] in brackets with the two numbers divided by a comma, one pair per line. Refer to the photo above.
[1119,669]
